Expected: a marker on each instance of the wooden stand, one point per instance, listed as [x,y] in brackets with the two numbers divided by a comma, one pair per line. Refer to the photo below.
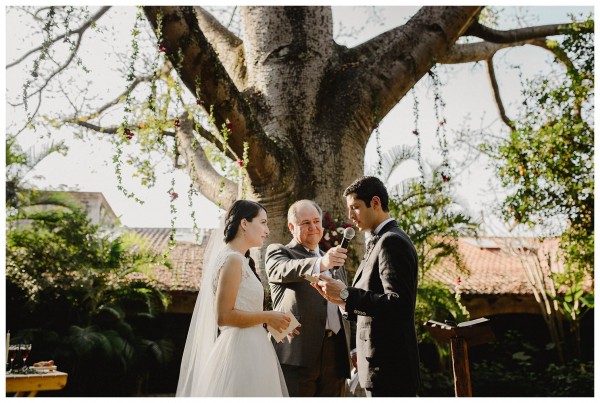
[460,336]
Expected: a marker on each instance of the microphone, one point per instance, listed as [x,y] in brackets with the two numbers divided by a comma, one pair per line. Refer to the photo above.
[348,235]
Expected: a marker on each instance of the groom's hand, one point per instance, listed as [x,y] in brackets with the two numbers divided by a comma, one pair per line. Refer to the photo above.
[330,289]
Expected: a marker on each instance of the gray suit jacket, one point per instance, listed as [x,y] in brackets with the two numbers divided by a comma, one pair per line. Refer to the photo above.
[382,301]
[290,292]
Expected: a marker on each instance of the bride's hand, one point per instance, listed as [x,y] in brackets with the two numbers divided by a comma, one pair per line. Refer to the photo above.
[278,320]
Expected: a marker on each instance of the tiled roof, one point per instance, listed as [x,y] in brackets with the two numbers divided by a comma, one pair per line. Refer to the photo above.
[185,258]
[499,266]
[158,238]
[489,267]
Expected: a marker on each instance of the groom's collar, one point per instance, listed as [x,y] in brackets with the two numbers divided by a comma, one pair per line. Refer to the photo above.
[381,225]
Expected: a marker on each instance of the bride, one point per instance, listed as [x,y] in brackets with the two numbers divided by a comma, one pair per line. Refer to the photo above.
[227,352]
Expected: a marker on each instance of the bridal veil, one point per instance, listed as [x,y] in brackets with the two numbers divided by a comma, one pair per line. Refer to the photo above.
[203,329]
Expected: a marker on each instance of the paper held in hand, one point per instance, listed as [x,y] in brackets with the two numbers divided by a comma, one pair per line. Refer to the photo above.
[278,336]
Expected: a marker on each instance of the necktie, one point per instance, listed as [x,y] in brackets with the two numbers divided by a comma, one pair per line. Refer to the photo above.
[333,320]
[371,242]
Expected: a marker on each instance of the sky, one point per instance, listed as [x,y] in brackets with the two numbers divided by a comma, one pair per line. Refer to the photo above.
[466,92]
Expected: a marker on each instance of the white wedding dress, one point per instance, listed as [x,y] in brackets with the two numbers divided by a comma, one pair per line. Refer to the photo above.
[242,361]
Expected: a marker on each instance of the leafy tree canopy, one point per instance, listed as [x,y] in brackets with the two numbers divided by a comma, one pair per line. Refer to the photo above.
[546,162]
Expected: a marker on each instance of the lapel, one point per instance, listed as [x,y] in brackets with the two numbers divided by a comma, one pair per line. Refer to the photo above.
[297,247]
[363,263]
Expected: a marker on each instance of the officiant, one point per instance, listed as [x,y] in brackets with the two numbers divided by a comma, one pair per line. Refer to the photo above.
[316,362]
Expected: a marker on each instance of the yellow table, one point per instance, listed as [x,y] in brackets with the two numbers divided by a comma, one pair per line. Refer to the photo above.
[32,383]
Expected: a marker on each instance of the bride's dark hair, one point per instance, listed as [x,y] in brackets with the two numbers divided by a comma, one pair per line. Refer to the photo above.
[239,210]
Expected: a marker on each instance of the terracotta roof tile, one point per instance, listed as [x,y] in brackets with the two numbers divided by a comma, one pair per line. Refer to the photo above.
[491,267]
[185,258]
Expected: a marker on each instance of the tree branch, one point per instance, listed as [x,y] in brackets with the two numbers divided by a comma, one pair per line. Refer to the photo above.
[227,45]
[516,35]
[479,51]
[119,98]
[390,64]
[204,75]
[474,52]
[205,178]
[78,32]
[92,126]
[495,40]
[35,112]
[497,97]
[55,72]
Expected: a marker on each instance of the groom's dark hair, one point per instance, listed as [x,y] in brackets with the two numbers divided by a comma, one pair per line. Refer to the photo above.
[366,188]
[239,210]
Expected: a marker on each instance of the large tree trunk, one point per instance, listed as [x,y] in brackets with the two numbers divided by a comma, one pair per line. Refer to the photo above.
[287,59]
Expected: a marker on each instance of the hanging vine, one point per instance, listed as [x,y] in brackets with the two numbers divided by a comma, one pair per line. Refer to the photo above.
[173,210]
[197,113]
[416,133]
[125,134]
[440,131]
[379,171]
[44,52]
[70,41]
[152,96]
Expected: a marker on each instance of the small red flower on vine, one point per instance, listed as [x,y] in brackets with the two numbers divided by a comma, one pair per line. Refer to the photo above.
[228,125]
[162,48]
[198,101]
[458,281]
[177,123]
[442,123]
[445,178]
[128,134]
[240,163]
[174,195]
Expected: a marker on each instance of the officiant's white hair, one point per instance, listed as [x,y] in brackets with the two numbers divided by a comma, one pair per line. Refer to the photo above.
[292,216]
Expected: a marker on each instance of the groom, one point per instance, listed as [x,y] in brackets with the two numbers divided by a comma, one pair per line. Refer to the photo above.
[317,361]
[383,296]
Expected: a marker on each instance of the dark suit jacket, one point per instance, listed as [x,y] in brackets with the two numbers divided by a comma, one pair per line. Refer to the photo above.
[290,292]
[382,301]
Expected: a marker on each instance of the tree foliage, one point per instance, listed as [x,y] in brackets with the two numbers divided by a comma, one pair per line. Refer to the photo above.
[547,161]
[73,294]
[546,164]
[61,255]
